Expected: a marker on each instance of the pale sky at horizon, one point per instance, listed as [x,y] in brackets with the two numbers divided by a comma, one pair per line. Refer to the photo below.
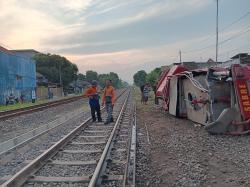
[126,36]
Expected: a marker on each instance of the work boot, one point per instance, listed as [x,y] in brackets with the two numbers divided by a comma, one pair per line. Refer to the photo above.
[99,120]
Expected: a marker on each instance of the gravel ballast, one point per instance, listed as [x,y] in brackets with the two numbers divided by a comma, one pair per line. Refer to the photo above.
[12,162]
[66,171]
[177,152]
[21,124]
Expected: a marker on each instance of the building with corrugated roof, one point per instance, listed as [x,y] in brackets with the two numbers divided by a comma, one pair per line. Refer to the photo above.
[242,58]
[26,53]
[17,76]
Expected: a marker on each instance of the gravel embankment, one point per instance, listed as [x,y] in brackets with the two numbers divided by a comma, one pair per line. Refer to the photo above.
[16,126]
[55,184]
[183,154]
[12,162]
[62,171]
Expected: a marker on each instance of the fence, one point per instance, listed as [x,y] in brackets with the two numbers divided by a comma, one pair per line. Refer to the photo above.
[43,92]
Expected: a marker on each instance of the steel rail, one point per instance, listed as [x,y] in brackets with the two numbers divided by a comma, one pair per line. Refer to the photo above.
[15,142]
[18,141]
[130,172]
[100,166]
[17,112]
[22,176]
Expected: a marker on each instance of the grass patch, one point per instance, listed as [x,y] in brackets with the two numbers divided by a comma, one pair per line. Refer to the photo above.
[137,97]
[21,105]
[28,104]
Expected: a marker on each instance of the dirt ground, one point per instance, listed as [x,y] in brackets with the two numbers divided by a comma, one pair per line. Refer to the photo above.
[177,152]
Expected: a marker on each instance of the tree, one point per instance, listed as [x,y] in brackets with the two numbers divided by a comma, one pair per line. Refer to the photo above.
[81,77]
[51,66]
[102,79]
[140,78]
[91,75]
[124,84]
[153,76]
[116,81]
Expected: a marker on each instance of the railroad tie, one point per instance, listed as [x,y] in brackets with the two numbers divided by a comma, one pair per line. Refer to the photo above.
[87,143]
[114,178]
[83,136]
[60,179]
[73,163]
[82,151]
[96,131]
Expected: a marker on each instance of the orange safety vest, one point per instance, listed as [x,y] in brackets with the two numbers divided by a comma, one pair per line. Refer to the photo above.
[109,91]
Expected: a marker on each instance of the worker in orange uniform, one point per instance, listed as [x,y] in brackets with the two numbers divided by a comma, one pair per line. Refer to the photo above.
[108,99]
[93,96]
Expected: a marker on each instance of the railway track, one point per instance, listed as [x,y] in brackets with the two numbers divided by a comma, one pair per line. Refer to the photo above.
[17,112]
[17,141]
[90,155]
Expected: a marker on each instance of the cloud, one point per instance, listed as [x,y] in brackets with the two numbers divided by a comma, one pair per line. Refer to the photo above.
[24,27]
[128,62]
[139,25]
[64,23]
[114,35]
[30,22]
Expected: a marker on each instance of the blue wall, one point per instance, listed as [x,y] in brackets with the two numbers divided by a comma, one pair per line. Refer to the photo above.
[17,76]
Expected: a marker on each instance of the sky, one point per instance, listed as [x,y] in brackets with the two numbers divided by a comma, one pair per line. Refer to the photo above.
[125,36]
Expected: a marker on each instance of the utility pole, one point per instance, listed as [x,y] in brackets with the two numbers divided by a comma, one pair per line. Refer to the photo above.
[180,56]
[217,29]
[60,77]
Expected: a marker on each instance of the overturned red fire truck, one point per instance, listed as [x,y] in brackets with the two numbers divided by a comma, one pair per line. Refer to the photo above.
[216,97]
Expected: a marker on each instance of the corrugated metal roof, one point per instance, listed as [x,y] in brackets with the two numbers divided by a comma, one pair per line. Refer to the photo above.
[2,49]
[24,50]
[240,55]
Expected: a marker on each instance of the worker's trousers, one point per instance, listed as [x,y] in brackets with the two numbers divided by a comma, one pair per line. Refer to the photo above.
[96,109]
[109,109]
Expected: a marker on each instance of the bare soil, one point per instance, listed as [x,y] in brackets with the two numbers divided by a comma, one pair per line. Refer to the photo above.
[177,152]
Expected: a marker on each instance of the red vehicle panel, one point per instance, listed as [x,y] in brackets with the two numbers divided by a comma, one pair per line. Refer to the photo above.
[163,87]
[241,78]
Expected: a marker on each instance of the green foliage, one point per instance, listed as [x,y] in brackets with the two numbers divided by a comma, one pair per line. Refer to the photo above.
[116,81]
[49,65]
[102,79]
[91,75]
[124,84]
[153,76]
[140,78]
[81,77]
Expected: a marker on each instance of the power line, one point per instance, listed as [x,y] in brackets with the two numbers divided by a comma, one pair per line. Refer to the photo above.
[232,50]
[222,42]
[226,27]
[228,39]
[199,49]
[235,36]
[236,21]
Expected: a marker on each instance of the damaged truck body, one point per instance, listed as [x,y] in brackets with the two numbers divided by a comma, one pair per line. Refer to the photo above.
[216,97]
